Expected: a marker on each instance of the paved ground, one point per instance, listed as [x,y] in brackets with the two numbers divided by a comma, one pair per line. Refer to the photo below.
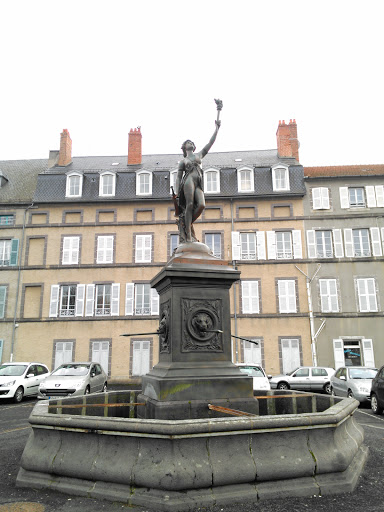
[15,429]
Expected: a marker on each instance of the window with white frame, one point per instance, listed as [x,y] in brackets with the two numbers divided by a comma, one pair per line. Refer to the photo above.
[5,252]
[100,354]
[143,248]
[173,242]
[284,245]
[361,246]
[144,183]
[324,247]
[320,198]
[366,290]
[63,353]
[141,357]
[141,299]
[105,249]
[74,186]
[356,197]
[329,296]
[71,246]
[213,240]
[370,196]
[280,178]
[3,297]
[353,352]
[67,300]
[250,297]
[362,242]
[286,290]
[325,243]
[248,246]
[290,354]
[245,180]
[253,352]
[211,181]
[107,184]
[103,299]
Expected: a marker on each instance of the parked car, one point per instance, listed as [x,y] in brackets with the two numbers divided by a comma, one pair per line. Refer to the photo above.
[74,379]
[260,380]
[377,392]
[305,378]
[353,382]
[21,379]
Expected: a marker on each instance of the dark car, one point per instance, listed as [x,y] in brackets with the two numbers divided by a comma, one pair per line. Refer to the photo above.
[377,392]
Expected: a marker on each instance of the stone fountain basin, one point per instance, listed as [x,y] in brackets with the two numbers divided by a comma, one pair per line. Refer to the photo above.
[185,464]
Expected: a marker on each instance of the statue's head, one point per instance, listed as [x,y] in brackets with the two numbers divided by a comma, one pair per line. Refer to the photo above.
[187,144]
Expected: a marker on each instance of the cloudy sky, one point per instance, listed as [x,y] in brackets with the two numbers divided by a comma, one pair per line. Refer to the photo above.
[99,68]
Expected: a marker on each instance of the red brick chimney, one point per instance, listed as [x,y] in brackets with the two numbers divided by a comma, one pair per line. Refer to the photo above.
[134,146]
[287,141]
[65,153]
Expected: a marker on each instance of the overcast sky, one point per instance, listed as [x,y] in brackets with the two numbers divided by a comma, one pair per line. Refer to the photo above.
[99,68]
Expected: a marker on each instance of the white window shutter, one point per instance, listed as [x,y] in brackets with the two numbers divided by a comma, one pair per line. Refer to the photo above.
[80,300]
[297,247]
[344,199]
[154,302]
[311,243]
[376,242]
[260,240]
[147,248]
[236,252]
[139,248]
[316,198]
[245,299]
[129,294]
[348,243]
[382,237]
[338,353]
[89,306]
[54,302]
[109,250]
[324,296]
[66,250]
[338,243]
[115,299]
[379,189]
[325,198]
[369,358]
[271,245]
[371,196]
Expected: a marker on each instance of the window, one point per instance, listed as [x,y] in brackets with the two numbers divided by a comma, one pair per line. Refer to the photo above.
[250,297]
[253,352]
[213,240]
[74,185]
[105,249]
[325,244]
[141,299]
[352,352]
[248,246]
[7,220]
[361,245]
[103,300]
[245,180]
[329,296]
[173,243]
[356,197]
[67,300]
[3,297]
[9,252]
[358,243]
[211,181]
[143,249]
[100,354]
[141,357]
[366,290]
[63,353]
[283,245]
[71,245]
[371,196]
[107,184]
[144,183]
[324,247]
[290,354]
[172,181]
[320,198]
[286,290]
[280,178]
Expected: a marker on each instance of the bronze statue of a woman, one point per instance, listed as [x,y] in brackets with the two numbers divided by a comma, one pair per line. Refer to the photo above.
[189,184]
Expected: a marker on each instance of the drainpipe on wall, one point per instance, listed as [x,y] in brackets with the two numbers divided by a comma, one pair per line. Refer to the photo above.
[15,325]
[234,295]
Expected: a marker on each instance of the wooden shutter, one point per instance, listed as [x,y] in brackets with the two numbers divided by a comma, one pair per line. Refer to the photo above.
[376,242]
[54,302]
[325,198]
[115,299]
[371,196]
[287,296]
[108,257]
[297,247]
[147,248]
[236,248]
[316,198]
[80,300]
[3,294]
[338,353]
[369,358]
[271,245]
[338,243]
[379,189]
[311,243]
[154,302]
[66,251]
[250,296]
[344,198]
[14,252]
[129,293]
[348,243]
[260,240]
[90,302]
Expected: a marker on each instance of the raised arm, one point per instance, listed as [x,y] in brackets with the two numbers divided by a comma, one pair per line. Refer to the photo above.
[206,148]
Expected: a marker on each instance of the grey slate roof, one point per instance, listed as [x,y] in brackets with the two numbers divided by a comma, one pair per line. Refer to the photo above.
[22,179]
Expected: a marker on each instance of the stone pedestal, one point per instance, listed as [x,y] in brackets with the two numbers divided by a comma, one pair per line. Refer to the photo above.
[195,366]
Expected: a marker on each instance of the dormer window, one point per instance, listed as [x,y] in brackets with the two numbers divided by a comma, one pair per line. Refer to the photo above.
[280,178]
[245,179]
[74,185]
[144,183]
[172,180]
[211,181]
[107,185]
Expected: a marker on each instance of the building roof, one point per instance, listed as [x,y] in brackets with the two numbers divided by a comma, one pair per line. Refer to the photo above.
[344,170]
[21,179]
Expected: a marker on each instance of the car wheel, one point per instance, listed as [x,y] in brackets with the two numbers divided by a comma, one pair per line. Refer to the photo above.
[328,388]
[350,394]
[105,387]
[19,393]
[376,409]
[87,391]
[283,385]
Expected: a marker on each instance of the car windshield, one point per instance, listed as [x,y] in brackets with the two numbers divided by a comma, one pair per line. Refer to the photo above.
[362,373]
[12,370]
[71,370]
[252,371]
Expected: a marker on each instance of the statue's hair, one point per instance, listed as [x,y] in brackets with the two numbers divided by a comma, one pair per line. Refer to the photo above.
[184,144]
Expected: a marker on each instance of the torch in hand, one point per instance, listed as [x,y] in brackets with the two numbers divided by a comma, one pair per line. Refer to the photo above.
[219,106]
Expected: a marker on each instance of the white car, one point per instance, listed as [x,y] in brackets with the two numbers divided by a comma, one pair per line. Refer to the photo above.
[21,379]
[305,378]
[260,380]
